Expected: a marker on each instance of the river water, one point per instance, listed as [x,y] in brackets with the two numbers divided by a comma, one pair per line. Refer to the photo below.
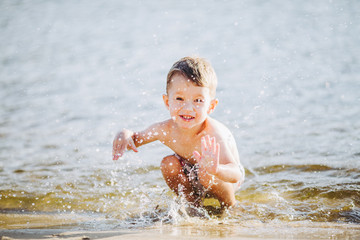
[72,73]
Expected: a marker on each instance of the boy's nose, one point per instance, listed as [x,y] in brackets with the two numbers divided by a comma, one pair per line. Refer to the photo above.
[188,105]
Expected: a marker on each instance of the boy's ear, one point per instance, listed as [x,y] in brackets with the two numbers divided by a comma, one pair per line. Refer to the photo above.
[166,100]
[213,105]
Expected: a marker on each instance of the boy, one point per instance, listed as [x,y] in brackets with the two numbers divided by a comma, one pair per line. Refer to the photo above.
[206,159]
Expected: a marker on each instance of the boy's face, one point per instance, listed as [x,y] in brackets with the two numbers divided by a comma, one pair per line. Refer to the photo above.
[189,105]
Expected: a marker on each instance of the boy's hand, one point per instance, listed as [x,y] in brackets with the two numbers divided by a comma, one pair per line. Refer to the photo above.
[123,141]
[210,155]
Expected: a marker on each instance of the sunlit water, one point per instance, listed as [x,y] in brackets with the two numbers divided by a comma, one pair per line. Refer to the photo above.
[72,73]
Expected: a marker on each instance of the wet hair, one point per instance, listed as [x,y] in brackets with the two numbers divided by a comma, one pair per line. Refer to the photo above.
[197,70]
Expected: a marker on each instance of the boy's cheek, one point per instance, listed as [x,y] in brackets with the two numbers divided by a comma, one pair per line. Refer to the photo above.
[174,107]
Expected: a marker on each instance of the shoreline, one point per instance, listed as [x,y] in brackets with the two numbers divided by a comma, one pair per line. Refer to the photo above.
[245,230]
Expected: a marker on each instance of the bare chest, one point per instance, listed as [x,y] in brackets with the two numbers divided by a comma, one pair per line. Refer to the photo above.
[184,147]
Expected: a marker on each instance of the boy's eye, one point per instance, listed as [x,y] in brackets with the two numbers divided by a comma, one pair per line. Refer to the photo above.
[179,98]
[198,100]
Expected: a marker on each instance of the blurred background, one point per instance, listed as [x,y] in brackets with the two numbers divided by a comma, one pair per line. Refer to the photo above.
[72,73]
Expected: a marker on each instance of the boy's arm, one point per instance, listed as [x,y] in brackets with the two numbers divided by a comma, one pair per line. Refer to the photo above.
[230,164]
[127,139]
[151,134]
[230,173]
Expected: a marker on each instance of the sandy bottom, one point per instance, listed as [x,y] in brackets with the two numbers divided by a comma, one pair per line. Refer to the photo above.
[256,231]
[68,226]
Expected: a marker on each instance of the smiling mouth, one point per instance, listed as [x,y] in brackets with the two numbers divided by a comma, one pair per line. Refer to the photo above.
[187,117]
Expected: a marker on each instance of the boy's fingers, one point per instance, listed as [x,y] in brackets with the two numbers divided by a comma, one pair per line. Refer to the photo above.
[114,152]
[208,141]
[118,150]
[197,156]
[203,145]
[214,145]
[217,151]
[116,156]
[117,153]
[133,147]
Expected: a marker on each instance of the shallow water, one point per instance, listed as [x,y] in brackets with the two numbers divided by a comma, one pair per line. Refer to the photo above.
[73,73]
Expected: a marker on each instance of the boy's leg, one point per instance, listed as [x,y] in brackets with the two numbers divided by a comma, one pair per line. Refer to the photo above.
[176,179]
[223,191]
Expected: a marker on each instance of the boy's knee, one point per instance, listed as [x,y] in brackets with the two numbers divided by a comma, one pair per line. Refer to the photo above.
[170,165]
[227,199]
[229,202]
[224,192]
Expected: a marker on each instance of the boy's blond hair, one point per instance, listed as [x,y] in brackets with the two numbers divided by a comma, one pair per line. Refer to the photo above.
[197,70]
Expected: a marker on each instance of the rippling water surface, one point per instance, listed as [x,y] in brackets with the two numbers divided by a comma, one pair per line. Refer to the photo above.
[73,73]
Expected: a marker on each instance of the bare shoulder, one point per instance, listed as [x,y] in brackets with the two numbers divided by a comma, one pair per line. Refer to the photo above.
[163,129]
[159,126]
[220,131]
[223,136]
